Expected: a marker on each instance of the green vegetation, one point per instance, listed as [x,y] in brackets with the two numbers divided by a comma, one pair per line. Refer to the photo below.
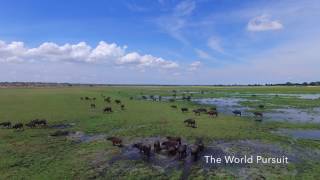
[33,154]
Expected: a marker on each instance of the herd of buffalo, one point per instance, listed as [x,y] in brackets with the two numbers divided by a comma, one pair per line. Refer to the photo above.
[171,146]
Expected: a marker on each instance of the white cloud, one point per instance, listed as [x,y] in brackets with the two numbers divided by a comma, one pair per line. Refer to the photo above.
[263,23]
[81,52]
[194,65]
[202,54]
[184,8]
[214,44]
[174,22]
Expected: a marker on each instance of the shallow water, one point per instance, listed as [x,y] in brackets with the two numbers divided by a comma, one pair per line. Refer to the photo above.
[293,114]
[302,96]
[300,133]
[227,105]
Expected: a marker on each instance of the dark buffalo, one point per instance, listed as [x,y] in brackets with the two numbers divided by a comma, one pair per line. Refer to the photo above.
[93,106]
[261,106]
[117,101]
[168,144]
[36,123]
[157,146]
[60,133]
[213,113]
[258,114]
[107,109]
[174,106]
[115,141]
[177,139]
[236,112]
[143,148]
[122,107]
[190,122]
[184,109]
[108,99]
[5,124]
[18,126]
[202,109]
[182,151]
[197,112]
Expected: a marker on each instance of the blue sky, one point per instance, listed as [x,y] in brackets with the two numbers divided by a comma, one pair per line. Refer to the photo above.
[160,41]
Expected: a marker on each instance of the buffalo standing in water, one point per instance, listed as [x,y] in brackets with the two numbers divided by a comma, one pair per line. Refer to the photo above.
[157,147]
[236,112]
[196,149]
[143,148]
[258,114]
[177,139]
[182,151]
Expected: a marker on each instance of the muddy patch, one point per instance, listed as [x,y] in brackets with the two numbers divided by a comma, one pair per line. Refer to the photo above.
[299,133]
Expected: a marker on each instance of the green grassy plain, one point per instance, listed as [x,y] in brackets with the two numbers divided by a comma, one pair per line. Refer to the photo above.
[33,154]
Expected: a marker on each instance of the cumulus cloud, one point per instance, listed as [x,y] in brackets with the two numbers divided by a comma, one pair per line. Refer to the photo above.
[194,65]
[81,52]
[263,23]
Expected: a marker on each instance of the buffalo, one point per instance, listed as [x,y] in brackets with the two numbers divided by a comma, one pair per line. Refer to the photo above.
[213,113]
[6,124]
[115,141]
[107,109]
[236,112]
[182,151]
[184,109]
[190,122]
[197,112]
[156,147]
[174,106]
[18,126]
[143,148]
[258,114]
[177,139]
